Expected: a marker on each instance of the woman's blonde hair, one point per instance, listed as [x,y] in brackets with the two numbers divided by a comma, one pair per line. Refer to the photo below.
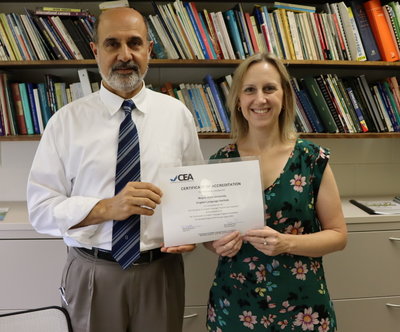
[239,125]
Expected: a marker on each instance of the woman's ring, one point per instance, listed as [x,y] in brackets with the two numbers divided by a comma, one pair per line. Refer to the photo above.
[265,242]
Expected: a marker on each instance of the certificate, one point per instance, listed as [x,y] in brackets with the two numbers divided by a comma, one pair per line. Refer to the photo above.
[204,202]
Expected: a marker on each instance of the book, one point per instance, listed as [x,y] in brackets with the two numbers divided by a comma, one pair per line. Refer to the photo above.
[158,50]
[329,99]
[321,107]
[382,207]
[233,31]
[218,101]
[32,106]
[242,19]
[169,48]
[78,38]
[187,47]
[367,37]
[38,109]
[164,26]
[188,29]
[85,81]
[357,109]
[10,36]
[26,108]
[380,29]
[294,7]
[6,104]
[252,33]
[308,107]
[44,103]
[393,24]
[19,111]
[212,33]
[33,35]
[351,32]
[225,35]
[177,39]
[113,4]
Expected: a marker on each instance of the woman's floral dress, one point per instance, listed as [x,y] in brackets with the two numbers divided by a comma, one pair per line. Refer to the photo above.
[256,292]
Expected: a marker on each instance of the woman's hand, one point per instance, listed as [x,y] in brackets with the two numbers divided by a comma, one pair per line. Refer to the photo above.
[228,246]
[268,241]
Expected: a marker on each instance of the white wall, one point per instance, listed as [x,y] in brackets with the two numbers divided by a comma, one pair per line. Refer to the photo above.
[361,166]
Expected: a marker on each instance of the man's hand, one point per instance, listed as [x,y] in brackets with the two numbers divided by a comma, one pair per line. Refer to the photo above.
[178,249]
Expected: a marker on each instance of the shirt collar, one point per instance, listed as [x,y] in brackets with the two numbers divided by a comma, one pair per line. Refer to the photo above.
[113,102]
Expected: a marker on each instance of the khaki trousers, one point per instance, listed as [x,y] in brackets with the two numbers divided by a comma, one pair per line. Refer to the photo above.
[102,297]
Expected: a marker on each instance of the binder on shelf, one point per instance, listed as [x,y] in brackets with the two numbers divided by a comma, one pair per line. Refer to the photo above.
[320,105]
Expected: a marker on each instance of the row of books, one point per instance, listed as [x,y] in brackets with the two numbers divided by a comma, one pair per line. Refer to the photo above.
[323,103]
[361,31]
[206,101]
[46,34]
[327,103]
[25,108]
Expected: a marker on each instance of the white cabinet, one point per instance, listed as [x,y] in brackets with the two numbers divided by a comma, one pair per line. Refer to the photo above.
[30,273]
[363,279]
[31,264]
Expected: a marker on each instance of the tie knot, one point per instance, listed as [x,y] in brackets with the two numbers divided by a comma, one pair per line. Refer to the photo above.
[128,105]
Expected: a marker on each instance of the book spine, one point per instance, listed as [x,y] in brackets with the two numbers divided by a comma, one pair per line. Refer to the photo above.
[328,99]
[380,30]
[368,40]
[26,108]
[245,46]
[357,109]
[192,8]
[22,129]
[217,98]
[157,11]
[44,103]
[316,96]
[196,30]
[32,106]
[252,33]
[234,33]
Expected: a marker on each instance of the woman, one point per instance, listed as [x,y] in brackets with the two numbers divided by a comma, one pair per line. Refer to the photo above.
[272,279]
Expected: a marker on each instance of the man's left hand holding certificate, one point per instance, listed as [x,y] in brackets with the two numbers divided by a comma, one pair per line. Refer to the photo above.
[204,202]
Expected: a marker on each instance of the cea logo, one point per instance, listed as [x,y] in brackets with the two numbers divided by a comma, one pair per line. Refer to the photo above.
[182,177]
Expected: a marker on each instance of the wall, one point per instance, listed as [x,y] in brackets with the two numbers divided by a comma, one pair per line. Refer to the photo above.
[361,166]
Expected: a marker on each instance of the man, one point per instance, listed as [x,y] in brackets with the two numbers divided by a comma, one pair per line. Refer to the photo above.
[73,188]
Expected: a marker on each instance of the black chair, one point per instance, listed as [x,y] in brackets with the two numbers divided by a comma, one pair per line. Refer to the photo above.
[46,319]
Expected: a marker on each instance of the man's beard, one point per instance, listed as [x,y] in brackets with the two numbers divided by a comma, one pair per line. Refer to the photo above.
[123,82]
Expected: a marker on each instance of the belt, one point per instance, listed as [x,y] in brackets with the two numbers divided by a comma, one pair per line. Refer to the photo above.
[146,257]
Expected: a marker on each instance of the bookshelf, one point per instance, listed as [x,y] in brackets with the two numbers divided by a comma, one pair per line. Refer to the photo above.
[376,69]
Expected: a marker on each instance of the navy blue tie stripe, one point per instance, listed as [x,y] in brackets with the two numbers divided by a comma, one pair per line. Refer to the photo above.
[126,233]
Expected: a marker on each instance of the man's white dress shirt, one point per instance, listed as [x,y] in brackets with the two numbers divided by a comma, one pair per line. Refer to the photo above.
[74,165]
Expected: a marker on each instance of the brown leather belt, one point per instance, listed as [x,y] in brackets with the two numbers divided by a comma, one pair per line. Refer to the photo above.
[146,257]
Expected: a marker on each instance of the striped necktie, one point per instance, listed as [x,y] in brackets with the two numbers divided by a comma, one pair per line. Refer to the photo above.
[126,233]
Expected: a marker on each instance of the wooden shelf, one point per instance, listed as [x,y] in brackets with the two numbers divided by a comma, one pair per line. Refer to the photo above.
[21,138]
[202,63]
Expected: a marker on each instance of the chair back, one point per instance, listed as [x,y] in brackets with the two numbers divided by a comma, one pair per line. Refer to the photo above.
[46,319]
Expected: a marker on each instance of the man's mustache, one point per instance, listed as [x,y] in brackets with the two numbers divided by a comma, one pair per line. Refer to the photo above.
[126,65]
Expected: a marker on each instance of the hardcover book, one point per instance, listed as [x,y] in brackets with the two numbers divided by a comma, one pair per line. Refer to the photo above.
[367,37]
[381,31]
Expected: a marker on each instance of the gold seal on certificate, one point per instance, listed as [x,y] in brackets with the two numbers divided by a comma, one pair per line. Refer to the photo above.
[203,202]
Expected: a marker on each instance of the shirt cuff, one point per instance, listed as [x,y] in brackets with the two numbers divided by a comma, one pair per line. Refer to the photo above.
[71,212]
